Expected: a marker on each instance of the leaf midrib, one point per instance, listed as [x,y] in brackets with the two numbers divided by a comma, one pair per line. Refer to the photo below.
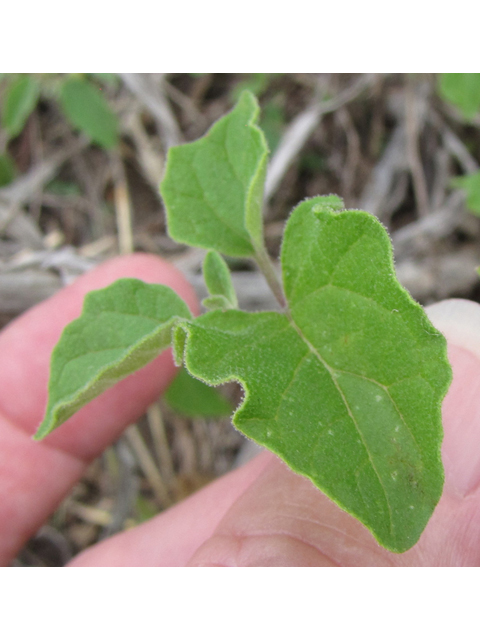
[211,208]
[206,200]
[347,406]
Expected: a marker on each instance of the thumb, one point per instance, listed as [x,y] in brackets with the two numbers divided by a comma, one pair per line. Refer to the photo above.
[283,520]
[459,321]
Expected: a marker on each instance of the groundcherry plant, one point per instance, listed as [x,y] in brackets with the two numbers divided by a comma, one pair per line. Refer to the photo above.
[344,383]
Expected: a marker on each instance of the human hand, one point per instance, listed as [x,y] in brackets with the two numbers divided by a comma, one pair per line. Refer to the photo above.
[260,515]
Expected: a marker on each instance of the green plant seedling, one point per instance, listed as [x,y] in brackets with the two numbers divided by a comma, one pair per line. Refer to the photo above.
[81,101]
[345,382]
[87,110]
[471,185]
[20,100]
[7,169]
[462,90]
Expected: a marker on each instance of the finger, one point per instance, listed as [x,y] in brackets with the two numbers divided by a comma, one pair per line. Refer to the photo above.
[459,321]
[35,476]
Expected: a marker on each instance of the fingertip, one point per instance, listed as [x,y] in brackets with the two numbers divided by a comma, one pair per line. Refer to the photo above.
[459,321]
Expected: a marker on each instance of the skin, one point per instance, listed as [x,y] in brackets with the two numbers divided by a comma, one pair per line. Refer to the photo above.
[259,515]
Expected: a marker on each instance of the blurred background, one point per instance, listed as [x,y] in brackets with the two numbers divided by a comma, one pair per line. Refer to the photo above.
[81,158]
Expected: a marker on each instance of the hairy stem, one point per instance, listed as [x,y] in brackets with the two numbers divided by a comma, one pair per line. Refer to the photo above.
[266,267]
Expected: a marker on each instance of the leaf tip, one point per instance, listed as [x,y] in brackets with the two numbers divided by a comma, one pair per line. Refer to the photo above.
[331,203]
[44,428]
[248,99]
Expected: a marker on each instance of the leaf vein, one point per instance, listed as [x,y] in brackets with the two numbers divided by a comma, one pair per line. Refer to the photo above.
[350,413]
[208,203]
[287,388]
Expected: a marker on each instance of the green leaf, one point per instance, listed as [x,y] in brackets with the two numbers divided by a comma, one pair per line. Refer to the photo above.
[213,187]
[7,169]
[19,101]
[346,387]
[462,90]
[218,279]
[86,108]
[471,185]
[193,398]
[122,328]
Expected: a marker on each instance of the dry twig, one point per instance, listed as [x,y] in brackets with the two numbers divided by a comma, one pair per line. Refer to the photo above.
[300,129]
[414,119]
[123,211]
[148,466]
[148,89]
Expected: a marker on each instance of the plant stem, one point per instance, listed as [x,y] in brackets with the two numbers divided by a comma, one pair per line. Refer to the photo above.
[266,267]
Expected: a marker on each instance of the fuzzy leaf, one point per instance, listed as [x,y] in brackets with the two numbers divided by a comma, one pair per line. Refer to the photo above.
[462,90]
[218,278]
[122,328]
[191,397]
[213,187]
[346,387]
[86,108]
[19,102]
